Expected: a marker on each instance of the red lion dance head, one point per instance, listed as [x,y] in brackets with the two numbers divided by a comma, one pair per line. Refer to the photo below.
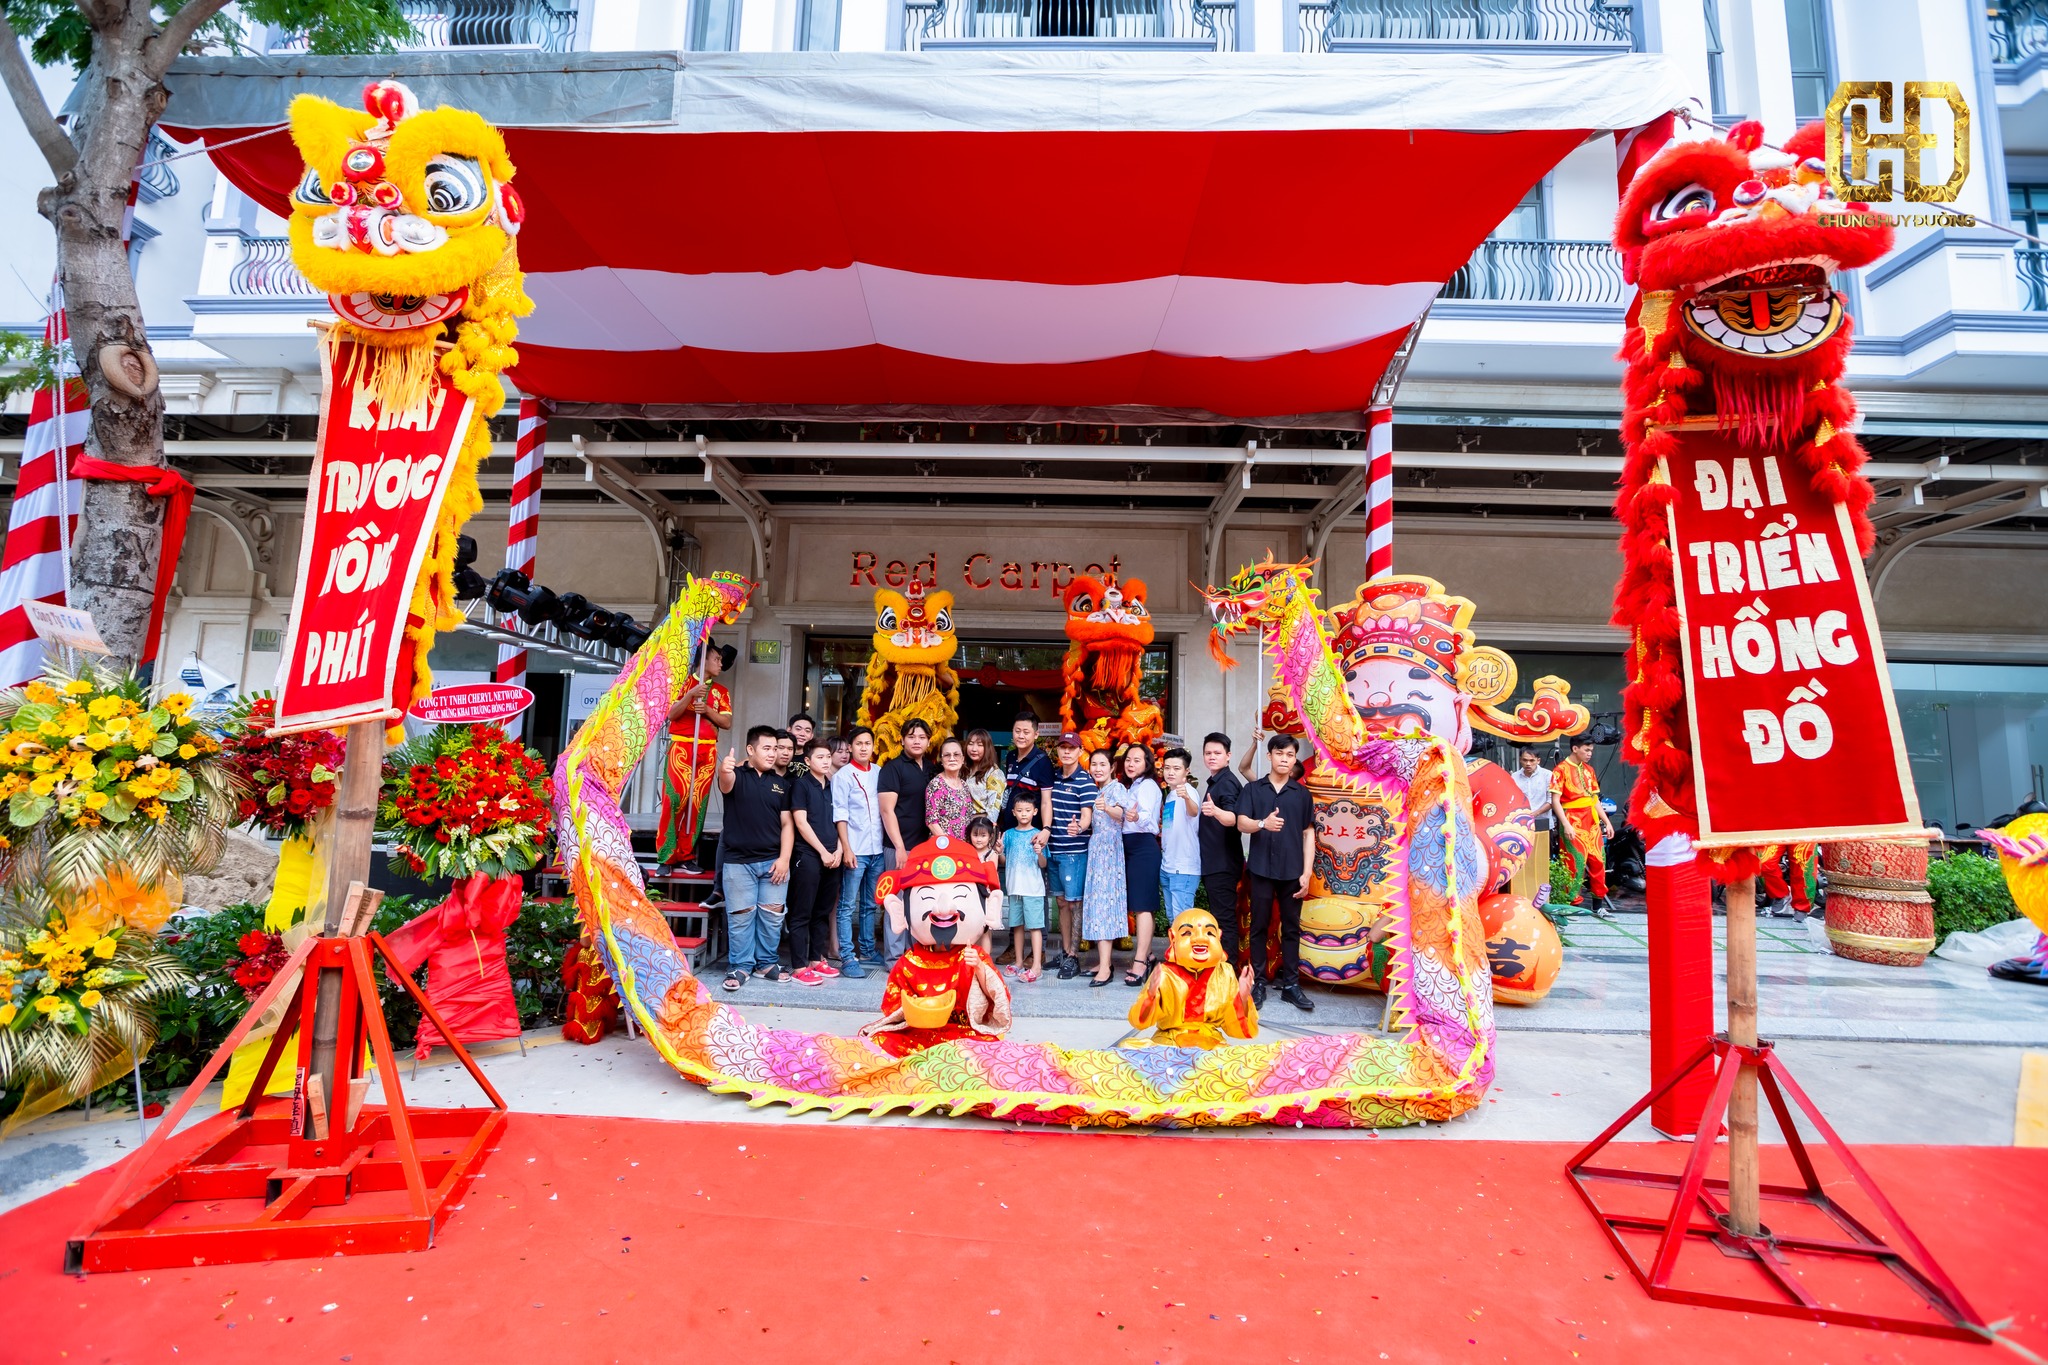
[1109,627]
[1733,246]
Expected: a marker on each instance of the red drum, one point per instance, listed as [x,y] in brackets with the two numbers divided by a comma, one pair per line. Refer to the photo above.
[1878,907]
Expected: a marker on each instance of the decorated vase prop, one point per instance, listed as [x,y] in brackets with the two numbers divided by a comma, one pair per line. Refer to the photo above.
[1525,953]
[1878,907]
[108,787]
[1392,673]
[1193,998]
[1108,627]
[1439,1067]
[2023,858]
[910,673]
[943,989]
[78,1003]
[405,218]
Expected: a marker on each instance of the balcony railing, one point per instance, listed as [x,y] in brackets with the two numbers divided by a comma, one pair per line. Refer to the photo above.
[1339,25]
[2019,30]
[266,272]
[2033,267]
[1540,272]
[1197,25]
[538,25]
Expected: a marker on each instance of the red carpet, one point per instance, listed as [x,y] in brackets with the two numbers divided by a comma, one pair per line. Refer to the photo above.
[591,1240]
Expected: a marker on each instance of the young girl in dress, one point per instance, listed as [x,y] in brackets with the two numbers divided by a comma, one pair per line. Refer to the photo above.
[1105,909]
[981,833]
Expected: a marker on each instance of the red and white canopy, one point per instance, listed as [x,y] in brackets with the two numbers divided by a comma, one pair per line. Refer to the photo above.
[1228,235]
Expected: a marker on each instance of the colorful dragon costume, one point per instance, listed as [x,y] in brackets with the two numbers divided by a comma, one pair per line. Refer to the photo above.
[405,218]
[1108,627]
[1387,689]
[910,673]
[1733,247]
[1439,1069]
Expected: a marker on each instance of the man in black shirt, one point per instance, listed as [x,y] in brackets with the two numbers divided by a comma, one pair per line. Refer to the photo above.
[754,851]
[1221,844]
[1027,776]
[1280,816]
[899,791]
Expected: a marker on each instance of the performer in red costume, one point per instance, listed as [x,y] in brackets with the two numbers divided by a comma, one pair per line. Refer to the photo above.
[942,988]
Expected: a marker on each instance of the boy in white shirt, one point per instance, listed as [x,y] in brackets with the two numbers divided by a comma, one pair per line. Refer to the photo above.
[1180,829]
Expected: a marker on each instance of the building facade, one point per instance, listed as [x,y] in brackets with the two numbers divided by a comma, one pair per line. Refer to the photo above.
[1505,445]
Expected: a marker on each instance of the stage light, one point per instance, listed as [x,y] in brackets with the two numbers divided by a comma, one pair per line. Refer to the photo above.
[468,582]
[626,633]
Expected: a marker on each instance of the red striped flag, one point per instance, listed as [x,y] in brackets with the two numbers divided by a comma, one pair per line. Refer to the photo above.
[35,562]
[523,534]
[1379,493]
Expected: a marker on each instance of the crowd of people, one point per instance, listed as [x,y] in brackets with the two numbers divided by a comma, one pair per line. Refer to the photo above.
[1089,847]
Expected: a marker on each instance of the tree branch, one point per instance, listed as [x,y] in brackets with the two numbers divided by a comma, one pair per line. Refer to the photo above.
[20,80]
[177,31]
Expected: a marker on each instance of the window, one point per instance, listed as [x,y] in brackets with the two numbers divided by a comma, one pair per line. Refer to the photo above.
[1524,222]
[714,25]
[1717,84]
[817,25]
[1806,33]
[2030,208]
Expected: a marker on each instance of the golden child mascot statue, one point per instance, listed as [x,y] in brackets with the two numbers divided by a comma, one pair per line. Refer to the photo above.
[1193,999]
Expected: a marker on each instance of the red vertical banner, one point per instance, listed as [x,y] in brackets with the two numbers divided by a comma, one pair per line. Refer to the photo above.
[377,486]
[1795,735]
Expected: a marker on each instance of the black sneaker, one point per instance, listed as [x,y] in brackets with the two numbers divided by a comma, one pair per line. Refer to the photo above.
[1603,909]
[1068,968]
[1258,995]
[1297,997]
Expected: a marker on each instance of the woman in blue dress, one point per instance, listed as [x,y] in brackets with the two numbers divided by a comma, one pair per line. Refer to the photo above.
[1105,909]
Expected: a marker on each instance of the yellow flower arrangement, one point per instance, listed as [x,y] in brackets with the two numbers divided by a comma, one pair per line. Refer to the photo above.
[98,775]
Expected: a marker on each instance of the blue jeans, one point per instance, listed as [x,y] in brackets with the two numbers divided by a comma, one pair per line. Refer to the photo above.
[1180,891]
[753,915]
[1069,875]
[857,889]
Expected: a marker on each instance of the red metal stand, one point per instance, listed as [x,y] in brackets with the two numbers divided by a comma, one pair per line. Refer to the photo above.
[284,1178]
[1772,1254]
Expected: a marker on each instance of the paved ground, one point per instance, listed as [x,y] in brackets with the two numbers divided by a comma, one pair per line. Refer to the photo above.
[1925,1055]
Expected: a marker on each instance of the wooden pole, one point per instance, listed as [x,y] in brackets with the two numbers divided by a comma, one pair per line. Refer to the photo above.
[348,860]
[1744,1202]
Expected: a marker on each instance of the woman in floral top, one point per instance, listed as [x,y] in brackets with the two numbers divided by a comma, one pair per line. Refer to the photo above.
[949,800]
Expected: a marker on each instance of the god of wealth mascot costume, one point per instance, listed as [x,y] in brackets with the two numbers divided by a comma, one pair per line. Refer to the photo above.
[942,988]
[1108,628]
[1193,999]
[1387,690]
[910,673]
[405,218]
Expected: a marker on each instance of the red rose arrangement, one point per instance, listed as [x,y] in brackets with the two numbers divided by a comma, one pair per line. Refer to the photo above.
[465,799]
[263,957]
[286,779]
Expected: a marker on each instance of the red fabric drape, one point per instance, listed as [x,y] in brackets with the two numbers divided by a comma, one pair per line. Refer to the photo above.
[462,941]
[159,482]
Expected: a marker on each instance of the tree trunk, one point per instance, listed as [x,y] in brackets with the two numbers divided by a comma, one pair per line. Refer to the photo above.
[119,541]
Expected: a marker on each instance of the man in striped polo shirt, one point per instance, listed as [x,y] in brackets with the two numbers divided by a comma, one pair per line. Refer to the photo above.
[1073,801]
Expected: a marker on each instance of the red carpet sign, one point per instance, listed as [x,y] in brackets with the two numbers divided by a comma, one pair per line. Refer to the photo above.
[1794,732]
[377,484]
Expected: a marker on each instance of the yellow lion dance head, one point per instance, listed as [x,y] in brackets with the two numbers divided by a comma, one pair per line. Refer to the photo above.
[406,219]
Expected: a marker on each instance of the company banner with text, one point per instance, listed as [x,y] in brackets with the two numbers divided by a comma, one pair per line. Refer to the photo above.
[377,484]
[1794,732]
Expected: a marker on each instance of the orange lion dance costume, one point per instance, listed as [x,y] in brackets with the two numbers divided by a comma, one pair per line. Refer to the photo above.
[1109,627]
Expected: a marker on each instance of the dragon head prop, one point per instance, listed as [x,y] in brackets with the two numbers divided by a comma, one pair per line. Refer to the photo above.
[1255,600]
[1742,242]
[914,626]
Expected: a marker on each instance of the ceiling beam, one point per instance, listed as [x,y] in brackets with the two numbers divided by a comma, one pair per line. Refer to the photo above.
[1888,556]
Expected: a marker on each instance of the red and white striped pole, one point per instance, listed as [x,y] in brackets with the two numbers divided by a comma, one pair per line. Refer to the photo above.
[1379,493]
[35,563]
[523,533]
